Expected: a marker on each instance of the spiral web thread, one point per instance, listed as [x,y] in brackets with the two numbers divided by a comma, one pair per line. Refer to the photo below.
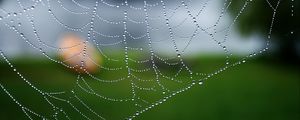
[184,77]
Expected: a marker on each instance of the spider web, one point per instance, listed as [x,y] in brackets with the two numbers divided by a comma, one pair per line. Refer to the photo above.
[131,37]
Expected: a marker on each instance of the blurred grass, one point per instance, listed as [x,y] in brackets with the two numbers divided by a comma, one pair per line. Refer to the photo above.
[252,91]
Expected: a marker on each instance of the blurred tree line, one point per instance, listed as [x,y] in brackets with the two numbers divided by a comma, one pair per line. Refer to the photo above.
[257,17]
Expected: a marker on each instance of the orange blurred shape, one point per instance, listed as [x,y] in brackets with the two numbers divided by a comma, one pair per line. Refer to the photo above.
[78,53]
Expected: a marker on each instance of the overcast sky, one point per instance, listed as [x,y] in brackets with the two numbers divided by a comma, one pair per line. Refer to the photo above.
[49,29]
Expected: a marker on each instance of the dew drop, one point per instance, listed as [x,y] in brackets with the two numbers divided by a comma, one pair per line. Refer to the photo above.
[200,83]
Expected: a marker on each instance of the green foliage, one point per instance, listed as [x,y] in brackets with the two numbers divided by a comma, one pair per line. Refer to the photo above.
[257,16]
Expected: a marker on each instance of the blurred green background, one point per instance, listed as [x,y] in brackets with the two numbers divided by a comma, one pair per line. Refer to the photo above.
[266,87]
[256,90]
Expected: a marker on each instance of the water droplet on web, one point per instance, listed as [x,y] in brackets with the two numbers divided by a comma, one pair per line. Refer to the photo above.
[1,17]
[200,83]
